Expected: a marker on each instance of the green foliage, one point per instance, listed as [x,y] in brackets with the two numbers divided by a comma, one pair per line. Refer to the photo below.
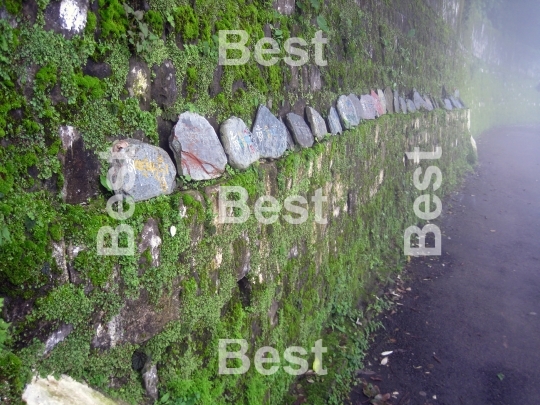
[8,43]
[46,77]
[139,35]
[13,7]
[89,87]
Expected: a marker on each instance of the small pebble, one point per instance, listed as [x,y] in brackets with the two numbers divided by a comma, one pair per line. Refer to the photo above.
[422,393]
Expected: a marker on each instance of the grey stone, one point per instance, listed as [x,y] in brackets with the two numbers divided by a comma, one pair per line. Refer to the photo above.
[164,90]
[403,105]
[150,170]
[317,123]
[269,134]
[138,82]
[196,148]
[67,17]
[427,103]
[315,82]
[397,107]
[347,112]
[299,129]
[360,113]
[378,105]
[290,141]
[382,100]
[454,102]
[368,107]
[150,239]
[81,168]
[56,337]
[418,101]
[333,122]
[389,97]
[448,104]
[150,378]
[411,107]
[238,144]
[285,7]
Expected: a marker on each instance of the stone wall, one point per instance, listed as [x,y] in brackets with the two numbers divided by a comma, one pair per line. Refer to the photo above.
[80,77]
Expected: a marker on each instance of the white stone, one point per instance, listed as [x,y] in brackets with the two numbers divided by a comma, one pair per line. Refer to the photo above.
[73,15]
[66,391]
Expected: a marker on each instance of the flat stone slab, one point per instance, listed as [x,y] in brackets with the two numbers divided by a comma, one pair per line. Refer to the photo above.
[411,107]
[317,123]
[448,104]
[397,107]
[300,131]
[196,148]
[418,101]
[378,105]
[403,105]
[269,134]
[148,170]
[333,122]
[360,113]
[382,100]
[389,97]
[238,144]
[428,103]
[347,112]
[368,106]
[455,103]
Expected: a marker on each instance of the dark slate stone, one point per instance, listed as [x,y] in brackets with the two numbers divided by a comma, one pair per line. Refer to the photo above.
[403,105]
[397,107]
[368,107]
[427,103]
[389,97]
[66,17]
[269,134]
[101,70]
[58,336]
[448,104]
[378,105]
[164,90]
[461,102]
[152,169]
[333,122]
[410,106]
[238,144]
[347,112]
[382,100]
[81,168]
[299,129]
[444,93]
[196,148]
[316,123]
[138,82]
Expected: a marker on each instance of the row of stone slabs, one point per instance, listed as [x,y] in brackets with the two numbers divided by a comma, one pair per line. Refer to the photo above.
[200,155]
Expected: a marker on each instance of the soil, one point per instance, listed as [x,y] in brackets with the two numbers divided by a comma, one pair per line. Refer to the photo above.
[468,331]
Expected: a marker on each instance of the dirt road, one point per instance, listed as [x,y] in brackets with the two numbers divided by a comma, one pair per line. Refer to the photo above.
[468,332]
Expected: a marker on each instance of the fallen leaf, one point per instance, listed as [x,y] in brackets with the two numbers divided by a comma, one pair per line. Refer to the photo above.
[384,361]
[384,354]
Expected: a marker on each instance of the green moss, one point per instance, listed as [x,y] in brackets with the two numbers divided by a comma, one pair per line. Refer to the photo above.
[13,7]
[91,23]
[114,20]
[154,21]
[186,22]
